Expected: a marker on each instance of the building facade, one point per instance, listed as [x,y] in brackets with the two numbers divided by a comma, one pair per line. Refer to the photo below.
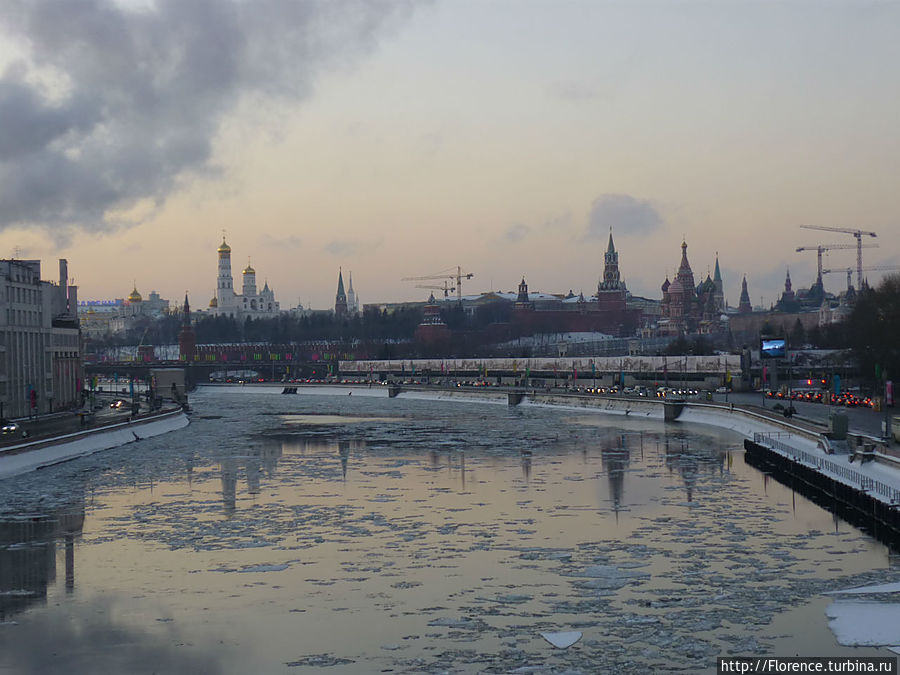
[40,350]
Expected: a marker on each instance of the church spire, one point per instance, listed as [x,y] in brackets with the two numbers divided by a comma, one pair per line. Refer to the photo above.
[719,286]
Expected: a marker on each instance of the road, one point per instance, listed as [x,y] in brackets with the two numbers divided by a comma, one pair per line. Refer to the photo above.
[864,420]
[66,422]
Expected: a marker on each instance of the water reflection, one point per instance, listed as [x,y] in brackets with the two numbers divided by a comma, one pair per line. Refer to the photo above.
[259,460]
[689,461]
[344,453]
[840,511]
[526,464]
[28,552]
[614,461]
[93,638]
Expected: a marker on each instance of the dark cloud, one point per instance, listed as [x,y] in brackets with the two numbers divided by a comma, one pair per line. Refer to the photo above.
[118,106]
[625,214]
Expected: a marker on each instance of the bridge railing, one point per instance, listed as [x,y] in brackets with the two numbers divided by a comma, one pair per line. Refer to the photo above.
[827,466]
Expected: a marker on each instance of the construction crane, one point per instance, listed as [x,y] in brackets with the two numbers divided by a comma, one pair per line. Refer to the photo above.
[849,271]
[859,234]
[829,247]
[448,289]
[458,278]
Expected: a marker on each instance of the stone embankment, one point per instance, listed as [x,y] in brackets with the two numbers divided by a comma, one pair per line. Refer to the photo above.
[28,456]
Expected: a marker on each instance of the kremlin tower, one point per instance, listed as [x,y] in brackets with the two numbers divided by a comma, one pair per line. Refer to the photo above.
[187,339]
[744,306]
[340,298]
[611,290]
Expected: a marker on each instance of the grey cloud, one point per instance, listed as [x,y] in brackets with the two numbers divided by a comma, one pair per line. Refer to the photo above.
[558,222]
[627,215]
[291,242]
[116,105]
[516,232]
[519,231]
[341,248]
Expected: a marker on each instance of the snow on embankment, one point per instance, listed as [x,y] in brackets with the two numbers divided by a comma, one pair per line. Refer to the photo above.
[747,423]
[79,444]
[634,407]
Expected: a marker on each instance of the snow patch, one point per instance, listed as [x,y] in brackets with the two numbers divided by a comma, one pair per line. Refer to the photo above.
[872,624]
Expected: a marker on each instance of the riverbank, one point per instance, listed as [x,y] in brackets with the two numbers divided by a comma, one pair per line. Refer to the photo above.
[32,455]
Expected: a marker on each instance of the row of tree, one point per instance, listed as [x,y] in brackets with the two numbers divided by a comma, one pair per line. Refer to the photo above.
[872,331]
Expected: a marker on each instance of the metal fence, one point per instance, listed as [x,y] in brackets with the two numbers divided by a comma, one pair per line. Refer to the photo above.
[827,466]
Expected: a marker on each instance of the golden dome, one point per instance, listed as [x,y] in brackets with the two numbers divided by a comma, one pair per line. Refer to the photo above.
[223,247]
[248,269]
[214,302]
[134,296]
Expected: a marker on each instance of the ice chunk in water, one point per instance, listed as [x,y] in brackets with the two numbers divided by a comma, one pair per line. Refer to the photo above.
[865,623]
[562,640]
[880,588]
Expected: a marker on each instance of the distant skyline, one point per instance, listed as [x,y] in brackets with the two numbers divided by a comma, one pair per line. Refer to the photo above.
[398,139]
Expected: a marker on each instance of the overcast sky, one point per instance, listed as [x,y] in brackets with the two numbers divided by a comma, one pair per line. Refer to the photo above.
[397,139]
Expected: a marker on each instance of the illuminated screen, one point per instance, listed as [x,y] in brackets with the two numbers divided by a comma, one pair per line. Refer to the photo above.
[772,348]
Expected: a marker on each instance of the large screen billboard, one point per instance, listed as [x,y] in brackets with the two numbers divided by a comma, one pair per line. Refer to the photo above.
[772,348]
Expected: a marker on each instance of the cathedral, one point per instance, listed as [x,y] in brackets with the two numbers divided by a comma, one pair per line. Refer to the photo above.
[690,308]
[249,303]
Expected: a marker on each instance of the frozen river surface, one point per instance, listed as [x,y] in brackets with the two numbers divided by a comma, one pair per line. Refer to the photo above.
[353,534]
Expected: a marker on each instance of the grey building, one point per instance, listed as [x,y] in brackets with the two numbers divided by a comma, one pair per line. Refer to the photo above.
[40,351]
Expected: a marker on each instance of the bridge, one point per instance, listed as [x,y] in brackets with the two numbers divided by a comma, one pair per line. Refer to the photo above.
[267,361]
[277,362]
[700,372]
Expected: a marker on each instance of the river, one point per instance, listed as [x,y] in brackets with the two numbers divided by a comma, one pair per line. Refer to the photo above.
[355,534]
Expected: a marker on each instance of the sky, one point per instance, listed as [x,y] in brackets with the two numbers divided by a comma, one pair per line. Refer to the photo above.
[396,139]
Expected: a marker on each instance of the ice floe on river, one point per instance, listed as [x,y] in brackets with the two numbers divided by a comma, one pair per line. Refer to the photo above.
[454,538]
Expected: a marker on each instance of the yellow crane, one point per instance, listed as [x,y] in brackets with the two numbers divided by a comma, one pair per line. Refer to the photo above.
[446,274]
[829,247]
[859,234]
